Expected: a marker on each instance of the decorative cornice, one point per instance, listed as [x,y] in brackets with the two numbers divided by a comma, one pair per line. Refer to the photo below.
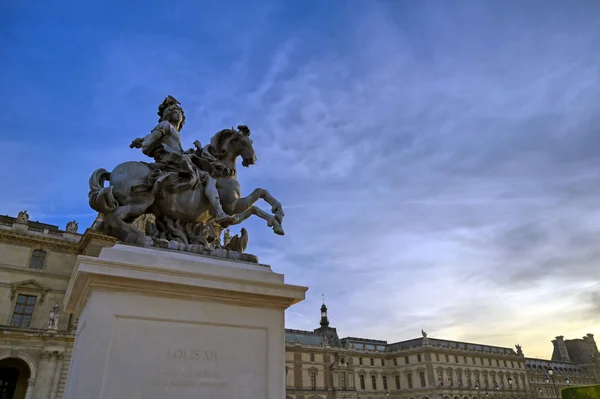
[32,272]
[21,285]
[51,355]
[31,333]
[97,238]
[32,240]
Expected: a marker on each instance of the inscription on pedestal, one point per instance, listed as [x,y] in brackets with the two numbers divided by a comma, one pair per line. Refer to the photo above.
[207,377]
[158,359]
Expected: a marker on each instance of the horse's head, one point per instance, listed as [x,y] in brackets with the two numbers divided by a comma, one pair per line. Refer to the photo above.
[231,143]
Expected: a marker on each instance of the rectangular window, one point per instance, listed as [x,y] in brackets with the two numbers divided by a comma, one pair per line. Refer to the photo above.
[397,382]
[362,382]
[422,377]
[312,357]
[447,359]
[372,362]
[313,380]
[37,259]
[360,361]
[474,362]
[455,359]
[382,363]
[23,310]
[489,362]
[409,379]
[465,359]
[481,361]
[419,358]
[437,357]
[505,364]
[395,362]
[406,360]
[497,363]
[512,364]
[384,379]
[343,380]
[374,382]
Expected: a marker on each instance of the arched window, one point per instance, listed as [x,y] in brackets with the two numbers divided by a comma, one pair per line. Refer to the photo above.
[38,257]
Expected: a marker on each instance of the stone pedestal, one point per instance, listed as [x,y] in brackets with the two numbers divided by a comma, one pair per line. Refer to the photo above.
[160,324]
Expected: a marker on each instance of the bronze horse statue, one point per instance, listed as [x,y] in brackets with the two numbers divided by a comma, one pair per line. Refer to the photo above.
[129,195]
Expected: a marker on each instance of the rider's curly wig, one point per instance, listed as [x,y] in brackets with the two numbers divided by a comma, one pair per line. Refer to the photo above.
[168,106]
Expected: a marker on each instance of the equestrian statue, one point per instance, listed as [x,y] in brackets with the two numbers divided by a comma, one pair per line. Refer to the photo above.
[185,197]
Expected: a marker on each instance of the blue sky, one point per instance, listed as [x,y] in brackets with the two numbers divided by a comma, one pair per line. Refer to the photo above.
[438,161]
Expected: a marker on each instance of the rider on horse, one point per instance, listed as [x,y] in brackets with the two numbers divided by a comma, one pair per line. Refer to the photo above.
[179,170]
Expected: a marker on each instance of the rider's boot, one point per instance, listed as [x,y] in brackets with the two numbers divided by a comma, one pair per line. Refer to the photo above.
[221,217]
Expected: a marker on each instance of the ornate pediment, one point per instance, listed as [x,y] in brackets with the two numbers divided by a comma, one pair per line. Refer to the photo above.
[28,285]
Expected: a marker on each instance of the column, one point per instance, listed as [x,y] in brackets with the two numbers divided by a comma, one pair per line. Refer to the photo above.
[57,372]
[29,392]
[45,374]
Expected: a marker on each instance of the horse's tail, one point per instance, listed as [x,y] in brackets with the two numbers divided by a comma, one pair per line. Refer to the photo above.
[101,198]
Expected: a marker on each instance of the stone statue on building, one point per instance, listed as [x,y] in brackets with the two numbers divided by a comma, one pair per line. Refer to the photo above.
[53,319]
[72,226]
[424,333]
[23,217]
[192,194]
[519,350]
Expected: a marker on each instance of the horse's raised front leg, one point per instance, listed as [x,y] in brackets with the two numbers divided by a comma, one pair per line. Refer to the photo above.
[245,203]
[254,210]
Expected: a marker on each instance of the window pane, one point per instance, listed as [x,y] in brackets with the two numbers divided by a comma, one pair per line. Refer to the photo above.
[31,300]
[37,259]
[28,309]
[22,299]
[25,322]
[16,320]
[19,308]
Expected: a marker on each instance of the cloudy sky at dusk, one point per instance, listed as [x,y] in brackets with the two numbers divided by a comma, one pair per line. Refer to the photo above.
[439,162]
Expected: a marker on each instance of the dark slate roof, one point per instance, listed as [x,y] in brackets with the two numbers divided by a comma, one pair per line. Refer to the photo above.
[303,337]
[405,344]
[365,343]
[542,365]
[39,225]
[580,351]
[470,346]
[383,346]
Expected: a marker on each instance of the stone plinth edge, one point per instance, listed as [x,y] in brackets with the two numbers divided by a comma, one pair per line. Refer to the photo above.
[156,272]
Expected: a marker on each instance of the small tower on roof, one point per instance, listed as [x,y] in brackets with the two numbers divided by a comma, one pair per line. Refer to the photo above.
[324,318]
[329,333]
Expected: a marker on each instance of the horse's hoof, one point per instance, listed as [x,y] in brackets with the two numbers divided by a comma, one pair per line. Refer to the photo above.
[279,230]
[279,217]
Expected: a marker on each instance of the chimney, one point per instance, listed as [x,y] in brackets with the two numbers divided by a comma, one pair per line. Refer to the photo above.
[559,343]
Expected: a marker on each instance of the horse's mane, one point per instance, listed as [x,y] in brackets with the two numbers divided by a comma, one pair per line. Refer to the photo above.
[217,141]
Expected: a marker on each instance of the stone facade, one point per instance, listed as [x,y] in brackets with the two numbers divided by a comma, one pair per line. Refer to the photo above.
[319,365]
[36,262]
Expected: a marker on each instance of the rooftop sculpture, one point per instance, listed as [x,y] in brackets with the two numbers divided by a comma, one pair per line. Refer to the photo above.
[192,194]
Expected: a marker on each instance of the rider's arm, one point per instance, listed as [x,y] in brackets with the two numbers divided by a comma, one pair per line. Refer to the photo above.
[151,141]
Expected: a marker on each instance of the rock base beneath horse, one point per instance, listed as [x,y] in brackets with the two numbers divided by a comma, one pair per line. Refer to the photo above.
[156,323]
[200,249]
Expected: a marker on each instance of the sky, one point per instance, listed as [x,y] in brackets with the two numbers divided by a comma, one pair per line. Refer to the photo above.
[438,162]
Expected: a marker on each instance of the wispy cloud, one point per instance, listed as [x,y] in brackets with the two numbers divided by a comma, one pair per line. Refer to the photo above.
[438,164]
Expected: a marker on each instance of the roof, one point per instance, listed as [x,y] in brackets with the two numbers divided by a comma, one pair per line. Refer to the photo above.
[542,365]
[303,337]
[316,338]
[39,225]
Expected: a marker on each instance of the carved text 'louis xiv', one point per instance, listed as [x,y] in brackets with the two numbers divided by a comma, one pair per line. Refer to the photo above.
[192,354]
